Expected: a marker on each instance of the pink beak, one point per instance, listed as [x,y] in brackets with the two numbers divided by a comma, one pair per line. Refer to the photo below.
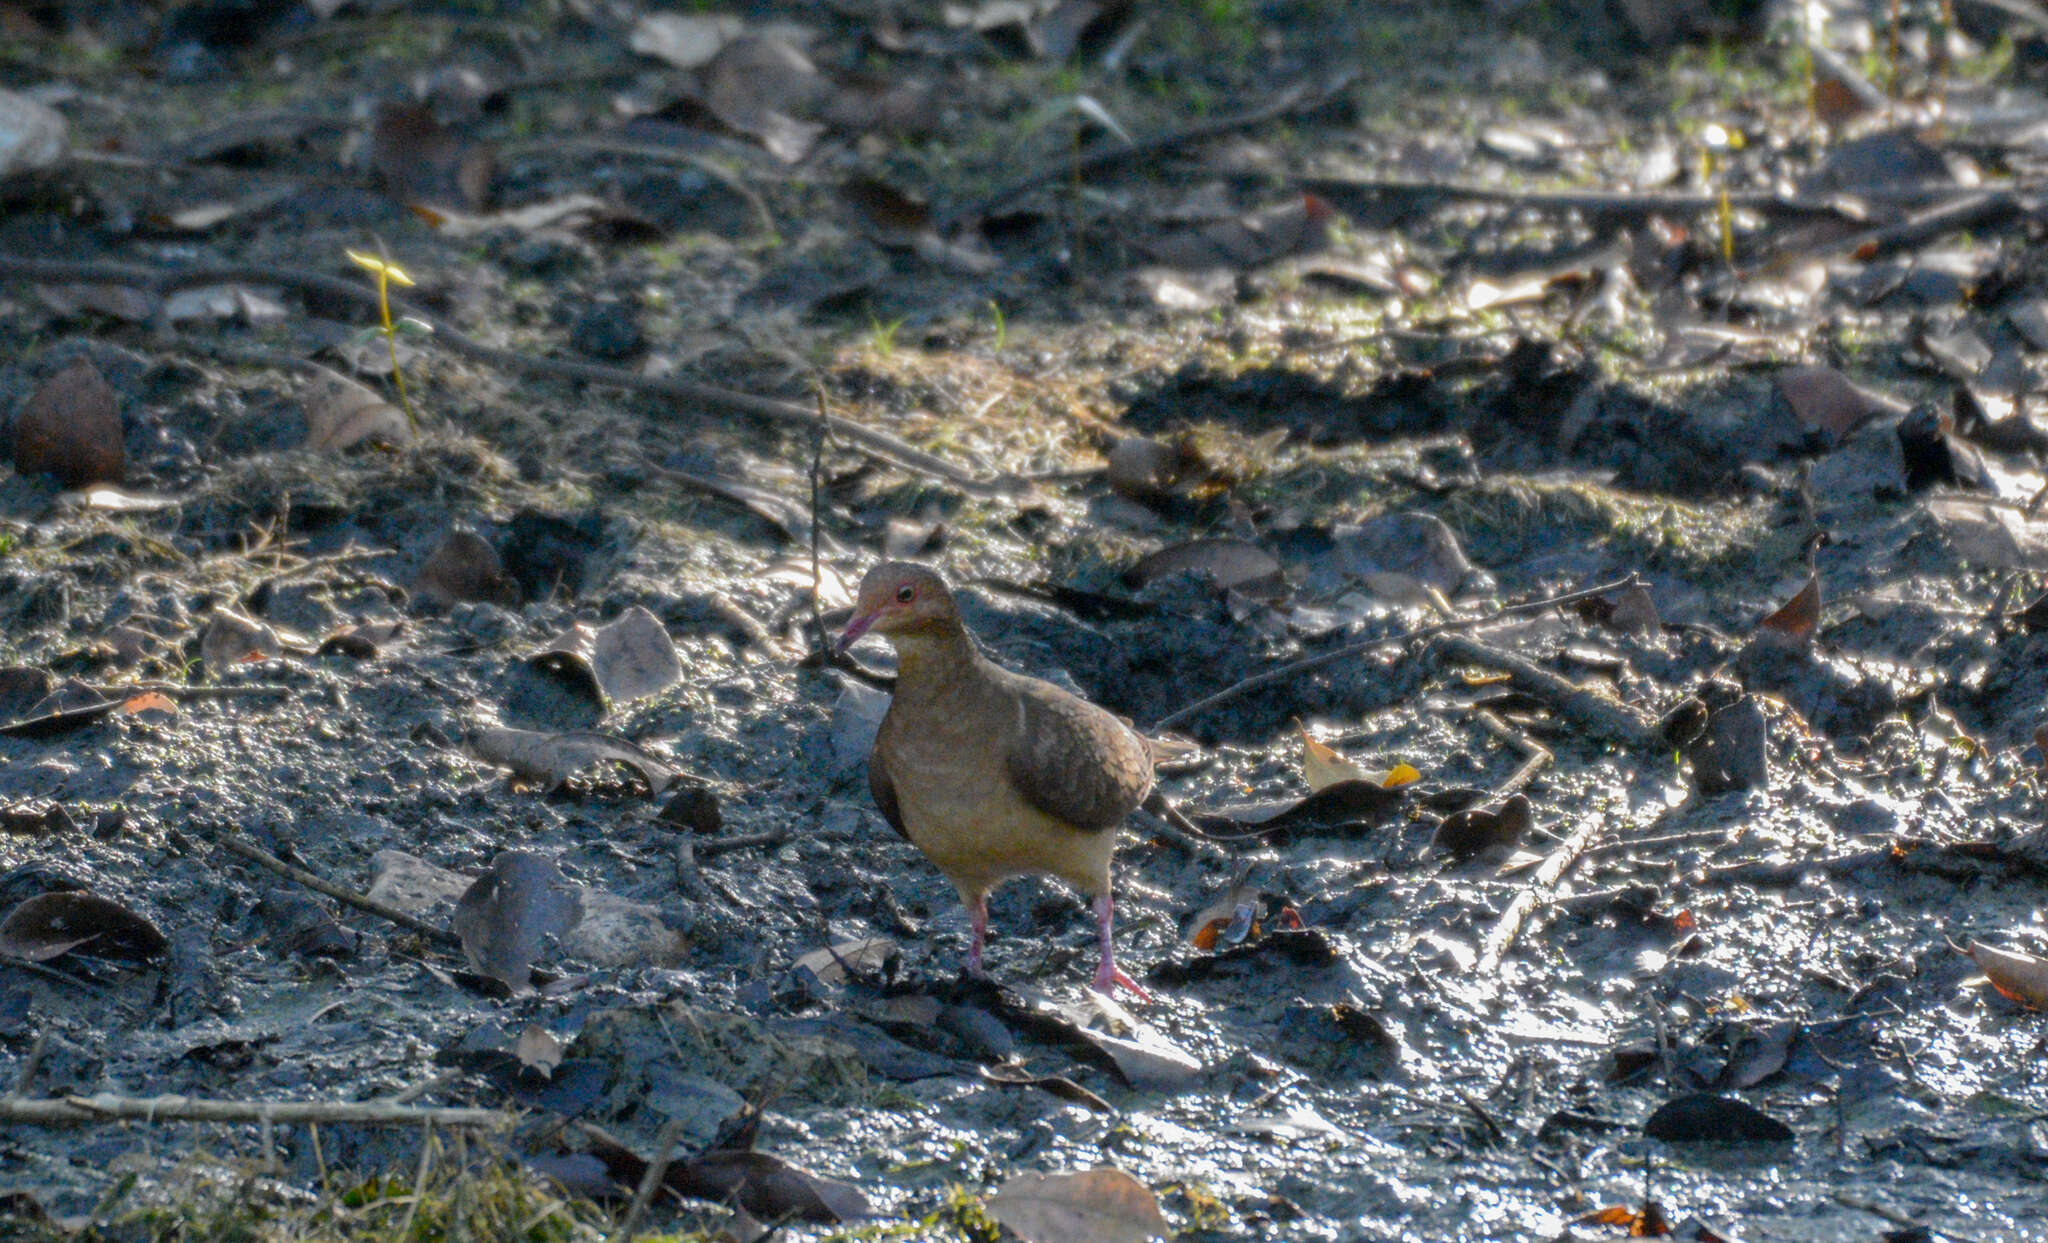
[855,629]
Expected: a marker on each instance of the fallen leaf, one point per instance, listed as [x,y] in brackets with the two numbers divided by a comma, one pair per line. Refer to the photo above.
[1990,536]
[1013,1074]
[1704,1118]
[1826,400]
[1799,616]
[32,135]
[684,40]
[1475,830]
[2020,976]
[1096,1206]
[1229,563]
[1321,765]
[551,759]
[539,1049]
[70,427]
[465,568]
[341,413]
[509,914]
[830,964]
[49,925]
[629,658]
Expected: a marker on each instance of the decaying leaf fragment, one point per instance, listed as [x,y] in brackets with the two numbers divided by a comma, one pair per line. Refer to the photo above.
[1094,1206]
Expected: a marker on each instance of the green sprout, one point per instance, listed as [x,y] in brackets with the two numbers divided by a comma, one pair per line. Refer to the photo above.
[388,272]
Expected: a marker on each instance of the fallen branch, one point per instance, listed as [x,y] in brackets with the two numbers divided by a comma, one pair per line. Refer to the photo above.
[263,858]
[761,409]
[1310,663]
[75,1110]
[1592,712]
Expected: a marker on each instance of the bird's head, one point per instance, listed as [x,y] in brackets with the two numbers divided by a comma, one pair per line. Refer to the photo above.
[899,599]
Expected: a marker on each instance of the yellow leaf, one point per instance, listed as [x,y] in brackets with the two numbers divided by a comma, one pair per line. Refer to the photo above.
[1399,775]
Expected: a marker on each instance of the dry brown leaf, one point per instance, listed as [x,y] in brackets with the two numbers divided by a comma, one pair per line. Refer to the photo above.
[1798,617]
[2022,977]
[465,567]
[71,428]
[1095,1206]
[1826,400]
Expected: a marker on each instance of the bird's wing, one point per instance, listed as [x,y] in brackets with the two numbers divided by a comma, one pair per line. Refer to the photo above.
[884,790]
[1073,761]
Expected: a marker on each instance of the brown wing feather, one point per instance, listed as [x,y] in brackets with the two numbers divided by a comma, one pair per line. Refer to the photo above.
[1073,761]
[884,791]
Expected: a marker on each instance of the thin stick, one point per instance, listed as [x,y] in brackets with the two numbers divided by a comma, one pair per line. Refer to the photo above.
[1359,648]
[419,1179]
[1501,937]
[726,845]
[105,1106]
[1537,755]
[173,690]
[657,1169]
[263,858]
[817,473]
[685,393]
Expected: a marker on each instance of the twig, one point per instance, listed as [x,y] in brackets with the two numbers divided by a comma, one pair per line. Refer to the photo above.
[72,1110]
[1501,937]
[746,841]
[179,691]
[817,487]
[1300,97]
[1590,711]
[1537,755]
[1972,211]
[1179,832]
[1334,655]
[262,858]
[686,392]
[657,1169]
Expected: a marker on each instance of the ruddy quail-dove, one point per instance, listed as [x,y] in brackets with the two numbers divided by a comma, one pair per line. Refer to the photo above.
[990,773]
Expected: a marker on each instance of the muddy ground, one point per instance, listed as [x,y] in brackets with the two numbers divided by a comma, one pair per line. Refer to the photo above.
[1370,367]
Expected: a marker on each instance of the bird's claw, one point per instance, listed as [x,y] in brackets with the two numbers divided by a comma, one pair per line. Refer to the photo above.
[1109,976]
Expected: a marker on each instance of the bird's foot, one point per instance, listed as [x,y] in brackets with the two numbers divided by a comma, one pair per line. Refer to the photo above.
[1109,976]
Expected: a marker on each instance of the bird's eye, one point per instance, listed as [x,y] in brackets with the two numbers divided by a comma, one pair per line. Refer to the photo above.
[905,594]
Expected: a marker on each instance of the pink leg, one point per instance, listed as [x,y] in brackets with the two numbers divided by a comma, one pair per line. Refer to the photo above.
[1108,975]
[977,920]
